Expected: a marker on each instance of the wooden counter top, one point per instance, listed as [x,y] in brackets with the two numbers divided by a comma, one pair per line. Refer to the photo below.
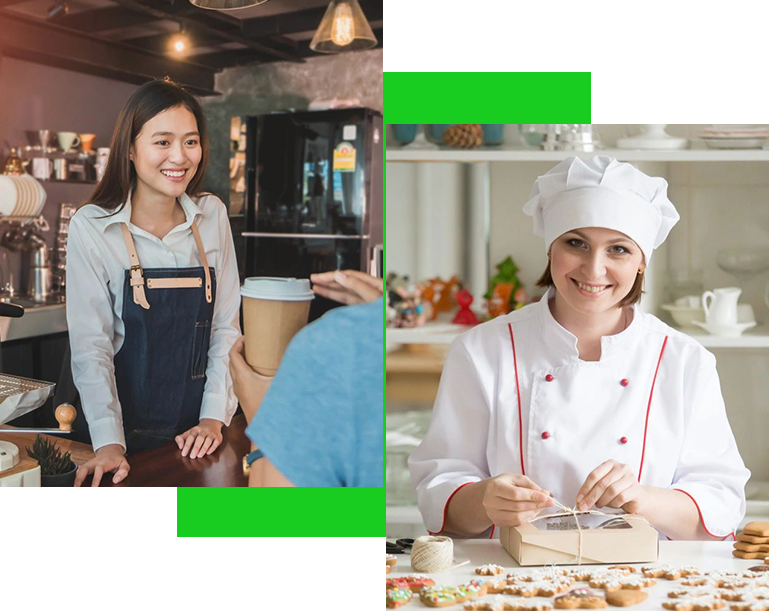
[164,466]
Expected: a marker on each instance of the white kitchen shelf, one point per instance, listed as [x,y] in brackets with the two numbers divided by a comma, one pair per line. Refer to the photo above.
[443,333]
[497,153]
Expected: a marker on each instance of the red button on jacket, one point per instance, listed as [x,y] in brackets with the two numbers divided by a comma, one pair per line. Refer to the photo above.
[545,435]
[624,382]
[549,378]
[623,440]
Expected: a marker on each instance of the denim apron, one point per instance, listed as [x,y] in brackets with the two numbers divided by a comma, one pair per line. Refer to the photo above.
[160,370]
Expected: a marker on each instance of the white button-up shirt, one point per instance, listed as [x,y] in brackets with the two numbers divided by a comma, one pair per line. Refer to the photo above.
[515,397]
[96,262]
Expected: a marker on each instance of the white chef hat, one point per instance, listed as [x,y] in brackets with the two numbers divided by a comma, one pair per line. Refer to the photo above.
[602,192]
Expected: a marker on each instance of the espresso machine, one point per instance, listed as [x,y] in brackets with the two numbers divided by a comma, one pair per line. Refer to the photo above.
[19,396]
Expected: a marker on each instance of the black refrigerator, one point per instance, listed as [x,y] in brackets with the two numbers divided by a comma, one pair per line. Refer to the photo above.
[306,193]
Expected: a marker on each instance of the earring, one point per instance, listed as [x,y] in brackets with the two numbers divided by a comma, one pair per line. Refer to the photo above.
[641,271]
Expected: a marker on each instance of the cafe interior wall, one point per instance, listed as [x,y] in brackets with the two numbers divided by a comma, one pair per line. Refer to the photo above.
[722,204]
[35,96]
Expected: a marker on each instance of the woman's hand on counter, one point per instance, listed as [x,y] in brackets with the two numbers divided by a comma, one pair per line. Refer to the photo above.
[108,458]
[202,439]
[349,286]
[249,386]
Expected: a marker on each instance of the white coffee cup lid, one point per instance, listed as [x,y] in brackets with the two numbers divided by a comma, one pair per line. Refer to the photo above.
[277,289]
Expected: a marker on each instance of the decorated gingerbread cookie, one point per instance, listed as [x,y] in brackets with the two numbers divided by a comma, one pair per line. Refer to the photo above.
[701,603]
[694,592]
[612,583]
[444,596]
[398,597]
[490,569]
[580,598]
[410,582]
[500,603]
[544,587]
[391,559]
[665,571]
[624,569]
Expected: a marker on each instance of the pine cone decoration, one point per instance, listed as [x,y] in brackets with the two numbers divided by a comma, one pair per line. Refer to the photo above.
[463,136]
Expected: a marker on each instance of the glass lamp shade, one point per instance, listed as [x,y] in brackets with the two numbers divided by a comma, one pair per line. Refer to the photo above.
[344,28]
[226,5]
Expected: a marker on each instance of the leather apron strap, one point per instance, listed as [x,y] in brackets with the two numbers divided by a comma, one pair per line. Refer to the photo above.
[203,260]
[136,272]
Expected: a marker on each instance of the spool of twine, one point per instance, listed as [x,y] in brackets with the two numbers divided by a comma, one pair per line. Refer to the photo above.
[431,554]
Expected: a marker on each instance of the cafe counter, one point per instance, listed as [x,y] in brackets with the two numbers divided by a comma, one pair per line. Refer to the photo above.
[164,465]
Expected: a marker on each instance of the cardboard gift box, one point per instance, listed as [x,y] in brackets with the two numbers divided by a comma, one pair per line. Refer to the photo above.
[605,539]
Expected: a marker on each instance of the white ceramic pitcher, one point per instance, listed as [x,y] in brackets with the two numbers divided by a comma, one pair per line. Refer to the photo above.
[723,306]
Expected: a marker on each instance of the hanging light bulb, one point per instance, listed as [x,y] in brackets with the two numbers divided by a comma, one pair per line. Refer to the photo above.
[344,27]
[180,43]
[226,5]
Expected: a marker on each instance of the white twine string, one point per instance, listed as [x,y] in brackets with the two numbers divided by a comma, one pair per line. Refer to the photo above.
[573,511]
[431,554]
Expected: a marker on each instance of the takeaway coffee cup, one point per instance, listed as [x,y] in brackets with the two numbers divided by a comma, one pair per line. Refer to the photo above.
[274,309]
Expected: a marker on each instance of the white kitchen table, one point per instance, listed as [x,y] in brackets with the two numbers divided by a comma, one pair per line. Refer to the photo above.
[707,555]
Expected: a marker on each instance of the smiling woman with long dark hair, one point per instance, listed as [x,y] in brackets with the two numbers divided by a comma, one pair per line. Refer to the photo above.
[152,289]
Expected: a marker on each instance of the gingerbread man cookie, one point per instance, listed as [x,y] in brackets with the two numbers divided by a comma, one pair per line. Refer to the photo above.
[580,598]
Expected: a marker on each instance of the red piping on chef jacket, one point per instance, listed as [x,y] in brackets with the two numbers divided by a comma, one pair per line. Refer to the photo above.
[446,509]
[731,534]
[649,406]
[518,390]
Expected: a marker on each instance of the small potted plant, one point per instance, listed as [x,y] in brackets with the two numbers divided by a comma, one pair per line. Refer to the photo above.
[56,469]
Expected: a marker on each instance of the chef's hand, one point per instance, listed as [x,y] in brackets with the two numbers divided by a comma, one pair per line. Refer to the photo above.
[348,286]
[108,458]
[611,484]
[511,500]
[249,386]
[201,439]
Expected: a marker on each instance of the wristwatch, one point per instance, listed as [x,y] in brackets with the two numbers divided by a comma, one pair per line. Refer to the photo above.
[248,459]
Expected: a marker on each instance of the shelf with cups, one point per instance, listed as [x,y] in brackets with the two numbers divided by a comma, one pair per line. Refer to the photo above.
[502,153]
[445,333]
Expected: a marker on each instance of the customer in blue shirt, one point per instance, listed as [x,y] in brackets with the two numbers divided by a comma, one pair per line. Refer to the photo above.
[318,422]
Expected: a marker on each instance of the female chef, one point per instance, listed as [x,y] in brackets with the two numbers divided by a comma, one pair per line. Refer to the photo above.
[152,289]
[582,396]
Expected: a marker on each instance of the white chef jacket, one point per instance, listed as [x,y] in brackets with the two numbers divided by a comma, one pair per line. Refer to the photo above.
[515,397]
[96,262]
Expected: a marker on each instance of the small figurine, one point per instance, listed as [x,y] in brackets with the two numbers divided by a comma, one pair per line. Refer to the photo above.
[465,316]
[440,294]
[405,308]
[506,292]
